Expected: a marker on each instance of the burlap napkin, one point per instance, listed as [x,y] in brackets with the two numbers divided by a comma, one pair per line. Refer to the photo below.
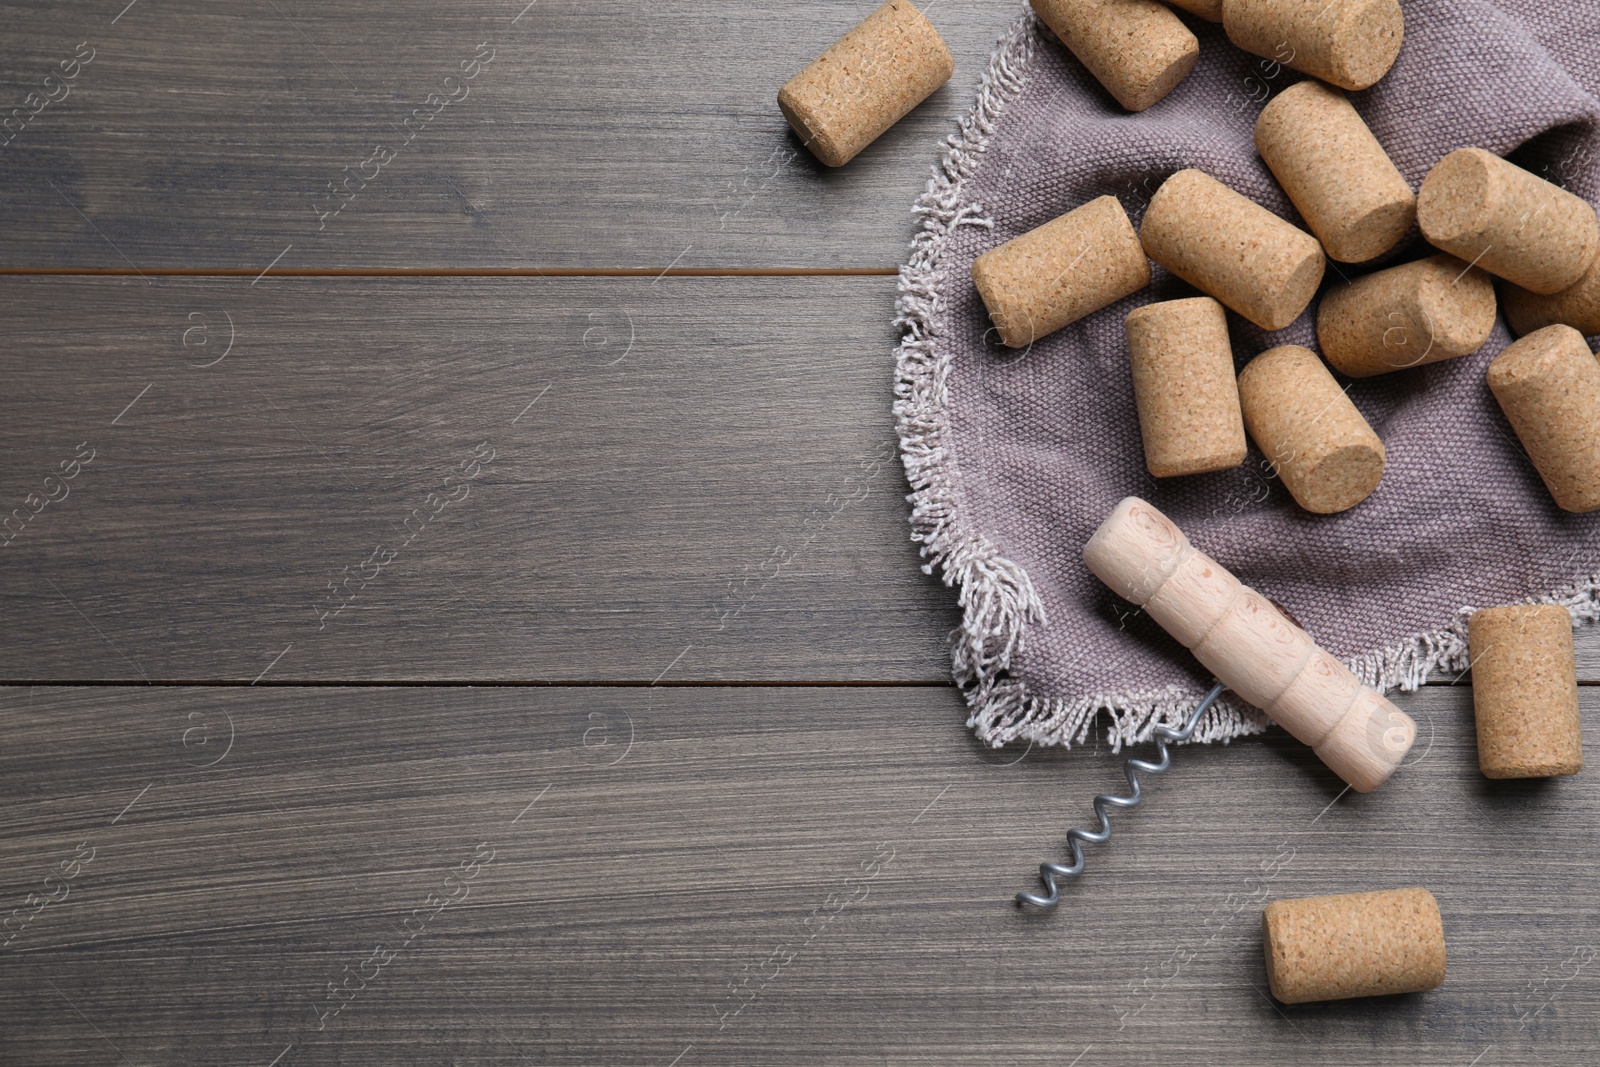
[1015,459]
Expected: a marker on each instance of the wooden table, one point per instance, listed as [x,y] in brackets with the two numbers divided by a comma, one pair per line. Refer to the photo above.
[485,591]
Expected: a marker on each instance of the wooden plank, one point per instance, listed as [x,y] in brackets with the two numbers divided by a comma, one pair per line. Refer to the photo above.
[624,135]
[838,862]
[502,479]
[716,501]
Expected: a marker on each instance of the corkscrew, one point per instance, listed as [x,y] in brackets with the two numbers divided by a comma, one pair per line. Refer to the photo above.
[1049,872]
[1250,646]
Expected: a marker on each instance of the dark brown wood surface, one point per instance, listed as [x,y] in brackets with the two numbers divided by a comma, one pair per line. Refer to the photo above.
[597,136]
[748,875]
[633,742]
[705,462]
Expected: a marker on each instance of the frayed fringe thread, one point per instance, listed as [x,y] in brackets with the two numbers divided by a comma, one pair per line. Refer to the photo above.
[998,601]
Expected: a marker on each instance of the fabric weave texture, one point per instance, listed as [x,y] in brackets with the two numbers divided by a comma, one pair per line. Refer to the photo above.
[1015,457]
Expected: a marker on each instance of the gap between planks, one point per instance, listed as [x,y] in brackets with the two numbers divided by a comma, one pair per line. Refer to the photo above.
[467,683]
[461,272]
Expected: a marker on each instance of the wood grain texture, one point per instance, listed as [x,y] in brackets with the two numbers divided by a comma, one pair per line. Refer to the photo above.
[850,853]
[690,479]
[625,135]
[723,488]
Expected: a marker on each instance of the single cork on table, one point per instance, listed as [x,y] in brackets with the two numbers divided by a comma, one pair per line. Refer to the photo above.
[866,82]
[1348,43]
[1185,388]
[1335,172]
[1056,274]
[1327,455]
[1513,224]
[1407,316]
[1138,49]
[1577,306]
[1548,385]
[1525,691]
[1232,248]
[1249,645]
[1353,945]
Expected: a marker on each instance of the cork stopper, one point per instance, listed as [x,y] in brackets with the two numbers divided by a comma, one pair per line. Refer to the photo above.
[1348,43]
[1511,223]
[1210,10]
[1184,387]
[1232,248]
[1353,945]
[1056,274]
[1138,49]
[866,82]
[1311,433]
[1335,171]
[1525,691]
[1434,309]
[1577,305]
[1548,385]
[1249,644]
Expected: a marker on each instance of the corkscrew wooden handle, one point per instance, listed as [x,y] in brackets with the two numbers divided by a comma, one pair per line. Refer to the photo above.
[1251,646]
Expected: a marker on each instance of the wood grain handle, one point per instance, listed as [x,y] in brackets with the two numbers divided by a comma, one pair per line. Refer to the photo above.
[1251,646]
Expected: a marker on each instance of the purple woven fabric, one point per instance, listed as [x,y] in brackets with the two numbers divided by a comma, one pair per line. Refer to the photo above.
[1015,459]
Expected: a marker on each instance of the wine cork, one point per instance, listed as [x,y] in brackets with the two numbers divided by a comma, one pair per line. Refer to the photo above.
[866,82]
[1525,691]
[1232,248]
[1311,433]
[1251,646]
[1511,223]
[1138,49]
[1548,385]
[1348,43]
[1577,305]
[1335,172]
[1185,388]
[1434,309]
[1058,273]
[1210,10]
[1353,945]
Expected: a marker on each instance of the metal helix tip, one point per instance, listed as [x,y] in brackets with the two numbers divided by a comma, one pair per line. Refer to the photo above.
[1049,872]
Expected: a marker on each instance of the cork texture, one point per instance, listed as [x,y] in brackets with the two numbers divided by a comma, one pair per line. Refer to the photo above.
[1353,945]
[1039,282]
[1348,43]
[1577,305]
[1335,171]
[1548,385]
[866,82]
[1138,49]
[1407,316]
[1210,10]
[1185,388]
[1327,456]
[1513,224]
[1525,691]
[1232,248]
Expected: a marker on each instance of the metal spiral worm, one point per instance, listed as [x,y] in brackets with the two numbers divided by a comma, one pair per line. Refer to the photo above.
[1049,872]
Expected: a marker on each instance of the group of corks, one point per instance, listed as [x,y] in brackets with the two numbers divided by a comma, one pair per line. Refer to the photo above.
[1485,214]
